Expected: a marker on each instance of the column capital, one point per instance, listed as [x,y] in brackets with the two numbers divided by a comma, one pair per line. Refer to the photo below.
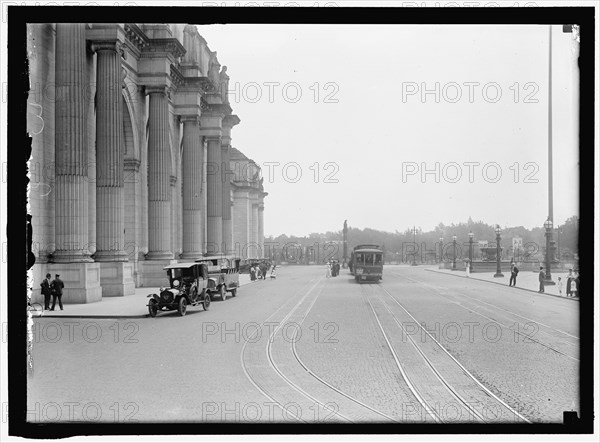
[156,89]
[212,137]
[108,45]
[190,119]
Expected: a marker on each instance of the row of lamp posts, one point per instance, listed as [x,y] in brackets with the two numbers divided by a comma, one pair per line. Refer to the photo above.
[471,235]
[548,227]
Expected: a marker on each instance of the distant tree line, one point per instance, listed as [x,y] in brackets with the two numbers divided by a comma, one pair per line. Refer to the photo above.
[399,245]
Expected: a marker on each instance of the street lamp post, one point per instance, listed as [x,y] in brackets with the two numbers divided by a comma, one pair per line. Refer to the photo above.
[454,253]
[414,262]
[498,270]
[470,252]
[441,249]
[548,226]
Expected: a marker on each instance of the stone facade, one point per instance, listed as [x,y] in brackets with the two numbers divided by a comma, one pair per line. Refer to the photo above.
[133,165]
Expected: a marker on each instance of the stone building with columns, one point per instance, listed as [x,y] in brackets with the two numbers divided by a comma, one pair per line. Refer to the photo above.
[132,164]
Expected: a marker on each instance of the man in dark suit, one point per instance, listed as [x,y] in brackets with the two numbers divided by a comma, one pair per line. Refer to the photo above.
[57,287]
[47,291]
[513,275]
[541,278]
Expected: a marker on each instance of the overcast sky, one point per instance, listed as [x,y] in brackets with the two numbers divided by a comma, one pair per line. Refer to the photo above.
[343,106]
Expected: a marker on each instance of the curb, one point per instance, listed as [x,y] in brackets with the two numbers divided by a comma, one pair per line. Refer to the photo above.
[93,316]
[104,316]
[502,284]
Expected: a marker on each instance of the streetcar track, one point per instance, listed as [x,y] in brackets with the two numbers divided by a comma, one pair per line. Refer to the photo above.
[527,337]
[452,391]
[307,369]
[507,310]
[245,369]
[280,373]
[465,370]
[431,411]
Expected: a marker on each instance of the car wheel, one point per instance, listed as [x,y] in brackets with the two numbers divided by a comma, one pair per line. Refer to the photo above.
[182,306]
[234,292]
[223,292]
[206,301]
[152,308]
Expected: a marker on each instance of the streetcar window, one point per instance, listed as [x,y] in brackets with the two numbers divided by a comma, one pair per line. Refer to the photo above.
[360,259]
[368,259]
[378,258]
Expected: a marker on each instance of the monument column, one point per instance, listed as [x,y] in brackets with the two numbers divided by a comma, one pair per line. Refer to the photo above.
[116,276]
[159,176]
[71,257]
[193,223]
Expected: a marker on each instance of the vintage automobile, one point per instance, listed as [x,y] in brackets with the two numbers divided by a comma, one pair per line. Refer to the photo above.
[187,286]
[223,274]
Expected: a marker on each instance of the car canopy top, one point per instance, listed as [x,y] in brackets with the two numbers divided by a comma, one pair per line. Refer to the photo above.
[216,257]
[186,265]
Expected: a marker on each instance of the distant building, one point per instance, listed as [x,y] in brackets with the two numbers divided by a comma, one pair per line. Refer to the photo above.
[132,165]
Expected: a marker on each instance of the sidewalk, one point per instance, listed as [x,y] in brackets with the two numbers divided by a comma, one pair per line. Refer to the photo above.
[131,306]
[526,280]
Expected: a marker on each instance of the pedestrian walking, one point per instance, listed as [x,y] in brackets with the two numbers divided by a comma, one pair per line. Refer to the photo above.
[513,275]
[263,271]
[46,291]
[560,285]
[57,286]
[467,269]
[252,273]
[337,268]
[274,272]
[542,276]
[328,270]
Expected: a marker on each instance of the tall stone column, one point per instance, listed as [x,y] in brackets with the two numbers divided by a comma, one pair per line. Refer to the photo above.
[71,257]
[228,122]
[109,154]
[193,223]
[226,197]
[214,188]
[159,173]
[116,276]
[261,230]
[254,231]
[71,146]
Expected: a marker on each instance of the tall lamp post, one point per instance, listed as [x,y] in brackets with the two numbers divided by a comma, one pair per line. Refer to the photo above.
[441,249]
[470,252]
[498,270]
[454,253]
[414,262]
[548,226]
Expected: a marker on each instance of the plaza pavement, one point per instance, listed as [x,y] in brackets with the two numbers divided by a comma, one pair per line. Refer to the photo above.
[131,306]
[134,306]
[526,280]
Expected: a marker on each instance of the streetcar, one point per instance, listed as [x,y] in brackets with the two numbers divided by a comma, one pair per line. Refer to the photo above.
[366,263]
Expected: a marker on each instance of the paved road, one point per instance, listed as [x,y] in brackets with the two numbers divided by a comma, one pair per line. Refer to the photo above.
[418,347]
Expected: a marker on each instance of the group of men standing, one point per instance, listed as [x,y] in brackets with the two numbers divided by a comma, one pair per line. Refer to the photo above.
[52,288]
